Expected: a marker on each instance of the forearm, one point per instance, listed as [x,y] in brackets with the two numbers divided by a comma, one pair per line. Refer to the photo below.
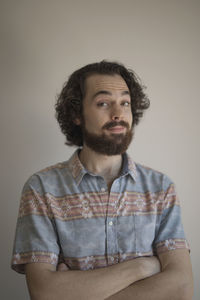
[172,283]
[95,284]
[162,286]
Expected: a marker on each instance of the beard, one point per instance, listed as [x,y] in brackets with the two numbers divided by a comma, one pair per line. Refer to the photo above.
[114,144]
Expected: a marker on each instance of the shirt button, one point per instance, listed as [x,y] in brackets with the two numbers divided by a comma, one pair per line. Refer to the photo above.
[110,223]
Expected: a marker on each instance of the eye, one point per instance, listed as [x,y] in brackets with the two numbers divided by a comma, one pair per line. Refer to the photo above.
[126,103]
[102,104]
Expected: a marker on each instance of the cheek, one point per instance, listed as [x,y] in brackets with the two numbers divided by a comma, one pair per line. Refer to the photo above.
[95,117]
[93,122]
[129,117]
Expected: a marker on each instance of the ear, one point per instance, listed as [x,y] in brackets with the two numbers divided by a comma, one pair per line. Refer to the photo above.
[77,121]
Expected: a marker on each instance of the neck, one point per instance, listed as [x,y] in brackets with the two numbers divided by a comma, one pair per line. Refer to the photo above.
[103,165]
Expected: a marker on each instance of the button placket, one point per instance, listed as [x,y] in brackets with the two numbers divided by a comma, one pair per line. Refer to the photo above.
[112,243]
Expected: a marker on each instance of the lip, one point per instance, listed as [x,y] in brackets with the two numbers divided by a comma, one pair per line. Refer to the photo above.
[117,129]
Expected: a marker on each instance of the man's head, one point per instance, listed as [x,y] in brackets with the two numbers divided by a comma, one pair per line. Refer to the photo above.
[99,106]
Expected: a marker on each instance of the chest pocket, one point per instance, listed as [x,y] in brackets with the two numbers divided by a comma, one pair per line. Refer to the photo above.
[145,227]
[136,224]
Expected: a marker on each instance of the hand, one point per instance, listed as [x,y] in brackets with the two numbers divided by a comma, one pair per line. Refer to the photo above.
[62,267]
[150,266]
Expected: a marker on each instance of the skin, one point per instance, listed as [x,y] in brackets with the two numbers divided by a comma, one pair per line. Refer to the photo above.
[47,283]
[175,282]
[136,279]
[98,110]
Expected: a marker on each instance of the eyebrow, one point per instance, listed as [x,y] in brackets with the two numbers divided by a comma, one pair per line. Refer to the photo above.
[104,92]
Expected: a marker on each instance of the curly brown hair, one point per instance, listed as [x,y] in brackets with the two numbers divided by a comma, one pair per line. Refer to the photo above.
[69,103]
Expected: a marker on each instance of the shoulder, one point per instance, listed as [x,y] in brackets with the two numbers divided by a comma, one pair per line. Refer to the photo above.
[47,177]
[155,179]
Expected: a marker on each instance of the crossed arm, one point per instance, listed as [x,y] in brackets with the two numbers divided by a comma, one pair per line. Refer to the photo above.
[139,278]
[174,282]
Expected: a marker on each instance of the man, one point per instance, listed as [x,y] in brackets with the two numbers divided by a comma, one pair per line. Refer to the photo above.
[99,226]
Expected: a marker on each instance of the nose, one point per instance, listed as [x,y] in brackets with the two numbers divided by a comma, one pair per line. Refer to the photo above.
[116,113]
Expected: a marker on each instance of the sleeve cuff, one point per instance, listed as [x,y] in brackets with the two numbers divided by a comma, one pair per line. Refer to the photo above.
[171,244]
[19,260]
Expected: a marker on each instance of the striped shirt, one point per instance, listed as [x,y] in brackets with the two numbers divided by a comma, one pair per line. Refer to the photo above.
[67,214]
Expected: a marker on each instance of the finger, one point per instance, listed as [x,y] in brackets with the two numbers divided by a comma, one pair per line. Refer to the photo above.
[62,267]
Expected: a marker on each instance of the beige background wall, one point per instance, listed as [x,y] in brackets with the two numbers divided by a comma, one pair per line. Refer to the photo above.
[44,41]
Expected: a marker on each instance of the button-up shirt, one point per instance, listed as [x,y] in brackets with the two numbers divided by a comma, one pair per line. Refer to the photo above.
[67,214]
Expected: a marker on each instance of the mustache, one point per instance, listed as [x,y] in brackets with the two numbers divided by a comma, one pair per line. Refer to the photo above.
[114,123]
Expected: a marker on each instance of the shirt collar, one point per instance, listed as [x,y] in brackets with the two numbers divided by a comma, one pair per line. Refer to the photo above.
[129,166]
[78,170]
[76,167]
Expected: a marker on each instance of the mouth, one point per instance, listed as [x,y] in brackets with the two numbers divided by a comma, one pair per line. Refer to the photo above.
[117,129]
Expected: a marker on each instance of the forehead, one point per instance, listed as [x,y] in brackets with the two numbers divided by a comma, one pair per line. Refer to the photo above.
[97,82]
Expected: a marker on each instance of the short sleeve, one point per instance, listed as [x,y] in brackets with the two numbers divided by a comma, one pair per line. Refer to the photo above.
[35,238]
[170,233]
